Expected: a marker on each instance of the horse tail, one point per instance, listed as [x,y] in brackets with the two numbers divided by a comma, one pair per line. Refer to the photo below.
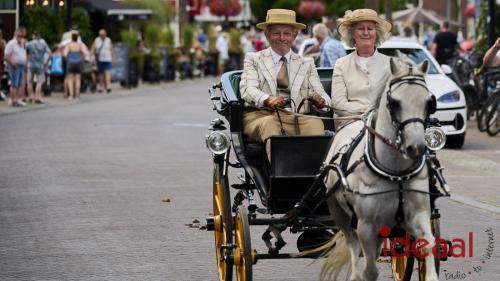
[336,253]
[337,256]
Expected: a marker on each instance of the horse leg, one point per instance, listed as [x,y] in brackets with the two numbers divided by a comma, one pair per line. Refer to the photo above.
[419,226]
[370,244]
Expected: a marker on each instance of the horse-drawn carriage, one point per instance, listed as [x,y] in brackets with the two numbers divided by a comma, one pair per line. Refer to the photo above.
[290,189]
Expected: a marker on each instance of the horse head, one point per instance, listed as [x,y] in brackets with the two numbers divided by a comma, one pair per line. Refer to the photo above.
[409,104]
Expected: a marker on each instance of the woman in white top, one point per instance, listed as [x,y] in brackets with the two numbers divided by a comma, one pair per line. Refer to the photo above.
[359,78]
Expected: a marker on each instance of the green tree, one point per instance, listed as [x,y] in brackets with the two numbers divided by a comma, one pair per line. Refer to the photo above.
[163,11]
[81,19]
[188,37]
[481,44]
[48,22]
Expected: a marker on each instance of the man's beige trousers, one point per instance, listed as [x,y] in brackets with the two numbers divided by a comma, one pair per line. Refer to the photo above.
[259,125]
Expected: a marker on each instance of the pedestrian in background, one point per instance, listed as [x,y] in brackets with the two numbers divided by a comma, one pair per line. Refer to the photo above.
[222,46]
[37,62]
[74,54]
[2,55]
[329,49]
[103,54]
[444,44]
[16,58]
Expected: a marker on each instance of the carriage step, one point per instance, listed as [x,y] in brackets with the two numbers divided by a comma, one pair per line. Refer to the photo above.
[243,186]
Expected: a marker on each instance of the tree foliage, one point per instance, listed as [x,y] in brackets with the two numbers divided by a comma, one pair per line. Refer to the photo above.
[481,44]
[163,11]
[50,23]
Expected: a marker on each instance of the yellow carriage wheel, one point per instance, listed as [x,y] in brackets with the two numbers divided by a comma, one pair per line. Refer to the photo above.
[436,231]
[222,223]
[402,267]
[243,254]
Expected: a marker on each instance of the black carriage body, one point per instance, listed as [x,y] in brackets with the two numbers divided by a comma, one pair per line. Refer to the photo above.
[296,159]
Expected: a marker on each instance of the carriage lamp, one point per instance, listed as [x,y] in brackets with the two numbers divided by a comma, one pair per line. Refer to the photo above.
[435,138]
[450,97]
[217,142]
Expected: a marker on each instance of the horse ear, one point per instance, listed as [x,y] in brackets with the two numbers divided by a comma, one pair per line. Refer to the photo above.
[423,66]
[394,66]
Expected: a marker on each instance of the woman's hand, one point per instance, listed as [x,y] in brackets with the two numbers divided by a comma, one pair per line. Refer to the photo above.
[318,101]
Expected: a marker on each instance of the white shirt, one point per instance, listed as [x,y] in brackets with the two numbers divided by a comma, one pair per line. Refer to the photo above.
[277,66]
[363,62]
[222,47]
[17,52]
[105,51]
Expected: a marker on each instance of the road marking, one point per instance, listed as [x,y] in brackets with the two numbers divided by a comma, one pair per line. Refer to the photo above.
[474,203]
[190,125]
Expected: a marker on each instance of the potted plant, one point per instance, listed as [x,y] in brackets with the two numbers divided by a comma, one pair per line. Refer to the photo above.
[213,54]
[152,60]
[235,49]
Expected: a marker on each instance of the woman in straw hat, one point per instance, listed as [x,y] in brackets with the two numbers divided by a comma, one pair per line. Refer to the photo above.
[273,76]
[359,78]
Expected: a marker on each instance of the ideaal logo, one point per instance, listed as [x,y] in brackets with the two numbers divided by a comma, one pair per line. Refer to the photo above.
[458,248]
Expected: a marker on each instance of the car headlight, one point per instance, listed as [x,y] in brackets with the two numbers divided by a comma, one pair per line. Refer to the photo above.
[450,97]
[218,142]
[435,138]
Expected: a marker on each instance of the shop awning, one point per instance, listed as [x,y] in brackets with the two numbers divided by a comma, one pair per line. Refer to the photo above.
[114,8]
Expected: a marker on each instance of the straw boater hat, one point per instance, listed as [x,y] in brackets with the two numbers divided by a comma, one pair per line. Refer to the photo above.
[280,16]
[358,15]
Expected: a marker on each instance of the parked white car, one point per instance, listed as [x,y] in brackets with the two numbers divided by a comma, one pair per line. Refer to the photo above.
[451,106]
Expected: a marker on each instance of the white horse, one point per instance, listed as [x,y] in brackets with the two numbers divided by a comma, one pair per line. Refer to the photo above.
[370,198]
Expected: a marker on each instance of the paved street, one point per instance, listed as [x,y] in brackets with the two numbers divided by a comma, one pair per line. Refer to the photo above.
[110,188]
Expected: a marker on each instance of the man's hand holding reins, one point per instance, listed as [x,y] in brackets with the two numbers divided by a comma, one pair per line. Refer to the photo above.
[275,102]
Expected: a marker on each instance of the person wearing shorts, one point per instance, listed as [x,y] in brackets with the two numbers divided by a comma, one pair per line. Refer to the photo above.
[16,58]
[103,54]
[36,49]
[74,54]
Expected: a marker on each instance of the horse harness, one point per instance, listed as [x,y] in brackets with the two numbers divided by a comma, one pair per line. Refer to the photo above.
[371,161]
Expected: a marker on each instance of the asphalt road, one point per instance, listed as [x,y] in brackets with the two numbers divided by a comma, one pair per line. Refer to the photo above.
[111,187]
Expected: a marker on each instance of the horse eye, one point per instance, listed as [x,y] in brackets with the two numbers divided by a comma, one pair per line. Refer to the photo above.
[394,104]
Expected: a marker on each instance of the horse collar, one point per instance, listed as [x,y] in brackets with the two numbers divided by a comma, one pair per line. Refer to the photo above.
[374,164]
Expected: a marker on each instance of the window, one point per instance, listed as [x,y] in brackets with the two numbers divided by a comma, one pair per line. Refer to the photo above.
[8,4]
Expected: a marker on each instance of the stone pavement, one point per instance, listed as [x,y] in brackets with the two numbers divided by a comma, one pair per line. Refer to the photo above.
[109,188]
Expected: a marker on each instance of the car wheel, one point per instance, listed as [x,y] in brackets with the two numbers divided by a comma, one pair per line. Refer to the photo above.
[455,141]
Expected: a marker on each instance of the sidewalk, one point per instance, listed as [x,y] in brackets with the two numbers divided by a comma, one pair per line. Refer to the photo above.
[57,99]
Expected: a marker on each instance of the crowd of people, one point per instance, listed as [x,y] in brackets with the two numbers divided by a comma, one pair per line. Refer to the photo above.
[29,64]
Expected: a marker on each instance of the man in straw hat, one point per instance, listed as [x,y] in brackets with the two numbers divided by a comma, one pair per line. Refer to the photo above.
[276,78]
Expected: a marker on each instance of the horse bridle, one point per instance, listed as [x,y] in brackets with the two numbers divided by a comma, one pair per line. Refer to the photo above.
[398,125]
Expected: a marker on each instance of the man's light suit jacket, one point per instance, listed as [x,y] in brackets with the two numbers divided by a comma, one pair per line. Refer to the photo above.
[259,78]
